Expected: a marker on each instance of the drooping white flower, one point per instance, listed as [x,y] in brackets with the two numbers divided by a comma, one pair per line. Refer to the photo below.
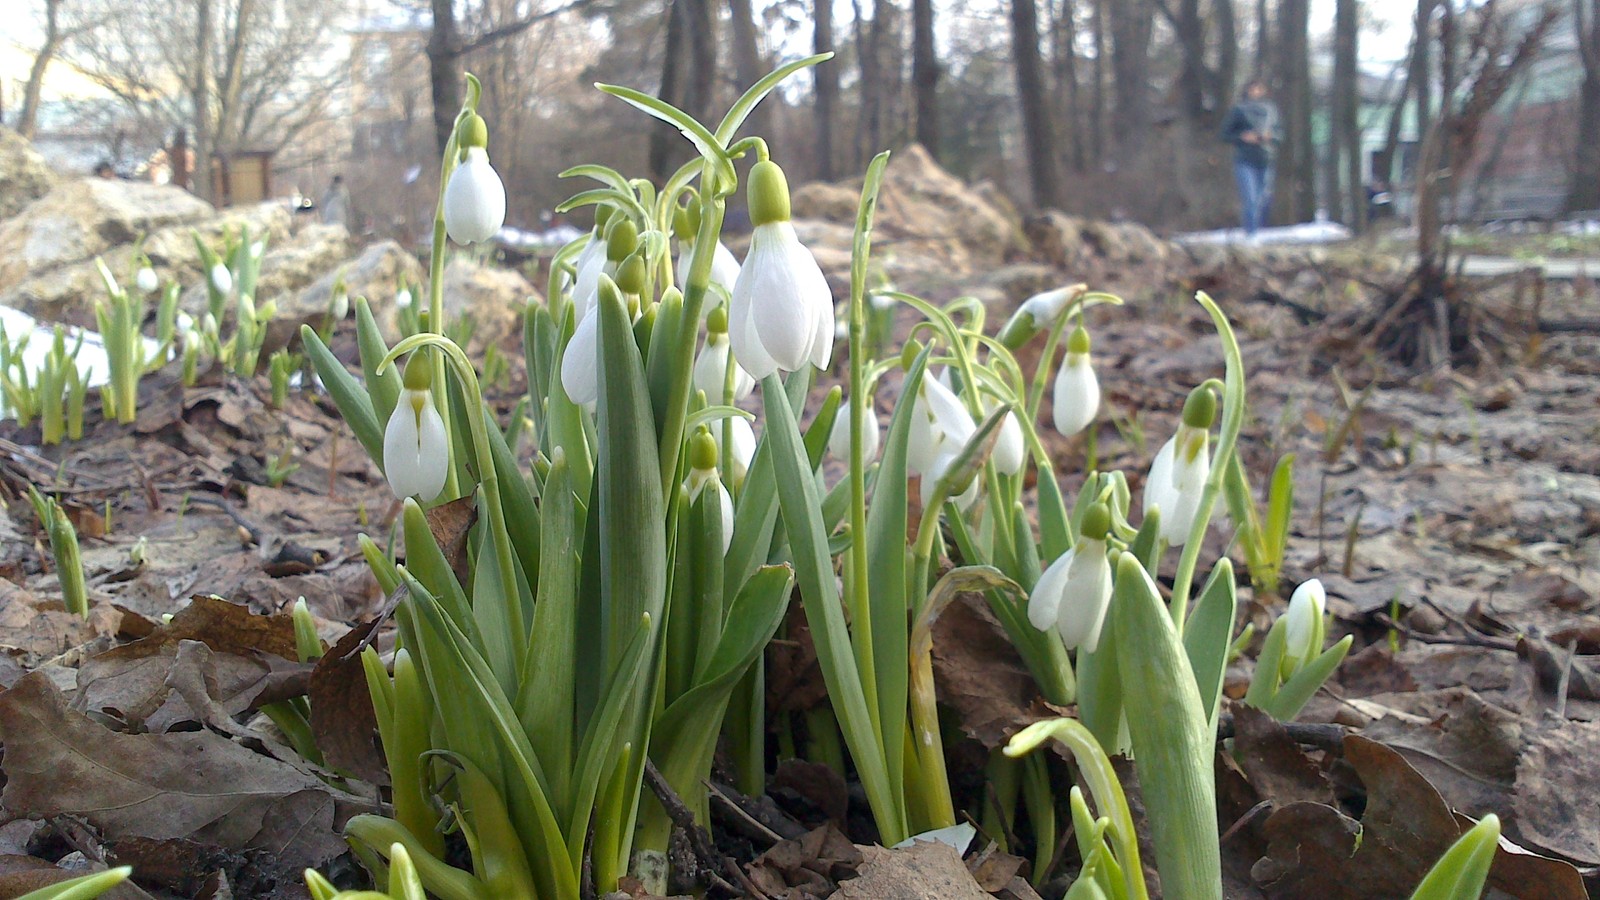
[948,453]
[475,198]
[743,440]
[938,418]
[839,437]
[703,476]
[780,314]
[1178,473]
[221,278]
[587,267]
[1045,307]
[339,305]
[257,248]
[580,372]
[402,298]
[416,451]
[724,271]
[1077,394]
[1010,448]
[146,279]
[1303,626]
[711,366]
[1074,592]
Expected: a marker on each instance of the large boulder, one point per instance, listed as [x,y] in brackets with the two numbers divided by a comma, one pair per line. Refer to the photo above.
[24,177]
[1057,239]
[377,273]
[921,204]
[81,219]
[288,270]
[66,293]
[493,297]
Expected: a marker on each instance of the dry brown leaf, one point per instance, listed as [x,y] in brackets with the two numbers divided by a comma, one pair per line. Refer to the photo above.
[1274,764]
[198,786]
[342,719]
[924,869]
[1557,801]
[451,523]
[978,672]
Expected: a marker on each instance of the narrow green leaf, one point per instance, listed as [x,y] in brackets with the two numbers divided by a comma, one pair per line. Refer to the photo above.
[1208,635]
[1294,694]
[545,704]
[383,389]
[754,94]
[1460,874]
[353,402]
[704,141]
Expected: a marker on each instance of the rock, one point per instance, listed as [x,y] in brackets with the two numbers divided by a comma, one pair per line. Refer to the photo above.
[24,177]
[493,297]
[291,269]
[1057,238]
[921,203]
[377,274]
[1126,243]
[836,203]
[80,219]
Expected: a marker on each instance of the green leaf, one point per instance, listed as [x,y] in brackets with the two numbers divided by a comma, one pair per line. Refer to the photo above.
[1208,635]
[754,94]
[603,174]
[353,402]
[1171,738]
[704,141]
[1461,873]
[516,499]
[601,743]
[1294,694]
[428,565]
[545,702]
[85,887]
[801,507]
[1280,503]
[383,389]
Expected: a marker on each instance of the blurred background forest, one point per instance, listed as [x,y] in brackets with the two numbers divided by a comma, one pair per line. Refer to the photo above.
[1103,108]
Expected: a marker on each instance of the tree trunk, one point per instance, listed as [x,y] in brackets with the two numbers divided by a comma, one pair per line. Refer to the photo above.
[1191,34]
[200,99]
[28,120]
[747,63]
[661,136]
[1346,113]
[444,75]
[827,81]
[1064,52]
[1131,26]
[1583,192]
[1035,111]
[868,133]
[1264,58]
[925,75]
[1383,166]
[1296,178]
[1227,73]
[1097,98]
[1422,67]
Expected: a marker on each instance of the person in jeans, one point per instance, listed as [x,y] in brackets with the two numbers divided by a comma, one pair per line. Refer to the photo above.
[1252,128]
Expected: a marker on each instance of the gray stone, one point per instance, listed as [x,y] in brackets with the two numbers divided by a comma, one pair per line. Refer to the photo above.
[24,177]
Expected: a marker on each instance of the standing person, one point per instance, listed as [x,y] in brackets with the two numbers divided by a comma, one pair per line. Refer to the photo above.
[336,203]
[1252,128]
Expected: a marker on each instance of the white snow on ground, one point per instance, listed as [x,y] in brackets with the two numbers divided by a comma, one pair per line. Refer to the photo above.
[1304,233]
[92,362]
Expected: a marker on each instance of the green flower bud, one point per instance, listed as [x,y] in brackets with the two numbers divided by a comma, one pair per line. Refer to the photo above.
[622,237]
[1096,522]
[686,221]
[703,450]
[909,353]
[602,215]
[418,374]
[769,194]
[1078,341]
[1200,410]
[631,274]
[474,132]
[717,321]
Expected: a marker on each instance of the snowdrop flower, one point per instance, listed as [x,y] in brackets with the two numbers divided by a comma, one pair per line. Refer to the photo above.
[1077,396]
[948,453]
[257,248]
[1034,315]
[339,304]
[711,367]
[185,323]
[839,437]
[475,198]
[146,279]
[416,452]
[743,440]
[1179,472]
[1010,451]
[221,278]
[1303,626]
[402,298]
[780,314]
[938,418]
[1074,593]
[724,267]
[703,474]
[622,238]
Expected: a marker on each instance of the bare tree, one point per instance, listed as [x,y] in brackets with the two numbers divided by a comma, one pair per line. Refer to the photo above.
[827,81]
[1064,60]
[1343,181]
[56,34]
[925,75]
[1036,128]
[1296,177]
[1131,28]
[1583,191]
[248,73]
[747,64]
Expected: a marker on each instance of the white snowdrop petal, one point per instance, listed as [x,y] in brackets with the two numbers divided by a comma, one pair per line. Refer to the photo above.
[433,451]
[580,364]
[1087,596]
[474,200]
[1305,608]
[1158,492]
[1044,602]
[146,280]
[1077,395]
[727,520]
[221,278]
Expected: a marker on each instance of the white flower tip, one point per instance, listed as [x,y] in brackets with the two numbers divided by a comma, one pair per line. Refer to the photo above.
[474,200]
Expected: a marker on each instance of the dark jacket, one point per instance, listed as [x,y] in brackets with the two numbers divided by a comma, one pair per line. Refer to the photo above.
[1259,116]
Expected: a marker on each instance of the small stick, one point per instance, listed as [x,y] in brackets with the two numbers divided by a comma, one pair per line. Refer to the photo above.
[1566,679]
